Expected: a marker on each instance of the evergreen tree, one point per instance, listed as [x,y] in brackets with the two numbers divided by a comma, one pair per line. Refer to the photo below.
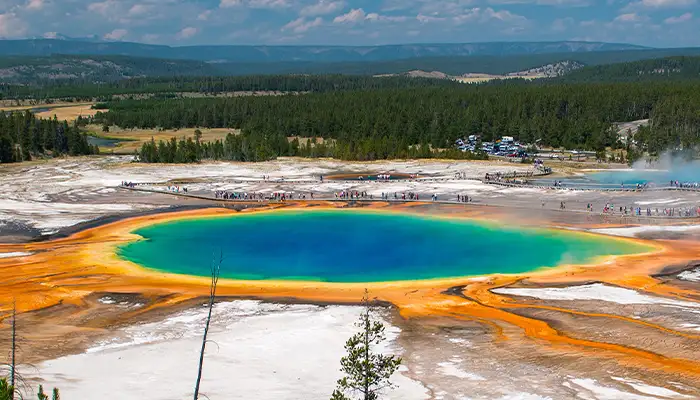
[6,390]
[41,395]
[55,395]
[367,373]
[424,121]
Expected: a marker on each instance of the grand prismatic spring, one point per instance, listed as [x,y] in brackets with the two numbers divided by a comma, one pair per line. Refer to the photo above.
[359,246]
[477,292]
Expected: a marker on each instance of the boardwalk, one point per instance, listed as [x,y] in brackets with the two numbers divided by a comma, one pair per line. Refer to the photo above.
[611,217]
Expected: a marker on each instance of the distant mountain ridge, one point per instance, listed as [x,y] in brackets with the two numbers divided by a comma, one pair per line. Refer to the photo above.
[38,71]
[255,54]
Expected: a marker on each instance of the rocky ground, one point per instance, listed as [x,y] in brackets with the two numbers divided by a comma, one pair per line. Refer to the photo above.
[273,351]
[43,198]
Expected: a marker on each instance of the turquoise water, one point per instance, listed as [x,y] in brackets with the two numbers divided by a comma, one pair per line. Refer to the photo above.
[358,246]
[103,142]
[628,178]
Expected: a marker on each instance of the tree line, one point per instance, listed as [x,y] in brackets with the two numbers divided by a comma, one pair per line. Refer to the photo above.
[386,123]
[23,136]
[252,147]
[75,89]
[682,68]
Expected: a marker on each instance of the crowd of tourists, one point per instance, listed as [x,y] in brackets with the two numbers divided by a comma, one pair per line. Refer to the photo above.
[402,196]
[381,177]
[510,177]
[176,189]
[352,195]
[464,199]
[256,196]
[685,185]
[648,211]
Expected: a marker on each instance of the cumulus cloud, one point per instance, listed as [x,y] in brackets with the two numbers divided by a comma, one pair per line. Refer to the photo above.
[357,15]
[385,18]
[11,26]
[679,19]
[659,4]
[562,3]
[117,34]
[667,3]
[473,15]
[301,25]
[502,15]
[270,4]
[630,17]
[323,7]
[35,4]
[353,16]
[166,21]
[187,33]
[102,7]
[139,9]
[429,18]
[204,15]
[443,7]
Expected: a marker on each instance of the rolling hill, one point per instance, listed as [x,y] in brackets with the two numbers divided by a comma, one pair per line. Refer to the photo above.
[622,65]
[37,70]
[255,54]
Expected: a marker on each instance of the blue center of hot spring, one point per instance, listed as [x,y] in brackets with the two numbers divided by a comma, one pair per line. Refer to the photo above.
[359,246]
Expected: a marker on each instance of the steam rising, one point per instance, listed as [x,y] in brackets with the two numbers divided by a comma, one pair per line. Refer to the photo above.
[670,166]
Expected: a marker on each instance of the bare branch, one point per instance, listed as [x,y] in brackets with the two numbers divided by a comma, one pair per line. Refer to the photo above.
[215,268]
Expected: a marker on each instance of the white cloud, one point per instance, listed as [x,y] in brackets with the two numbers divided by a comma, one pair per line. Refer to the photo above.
[351,17]
[230,3]
[186,33]
[658,4]
[385,18]
[570,3]
[101,7]
[443,7]
[503,15]
[117,34]
[471,15]
[50,35]
[667,3]
[428,18]
[679,19]
[269,4]
[204,15]
[139,9]
[476,14]
[630,17]
[357,15]
[301,25]
[323,7]
[11,26]
[35,4]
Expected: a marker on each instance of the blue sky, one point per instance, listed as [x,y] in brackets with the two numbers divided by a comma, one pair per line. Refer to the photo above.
[661,23]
